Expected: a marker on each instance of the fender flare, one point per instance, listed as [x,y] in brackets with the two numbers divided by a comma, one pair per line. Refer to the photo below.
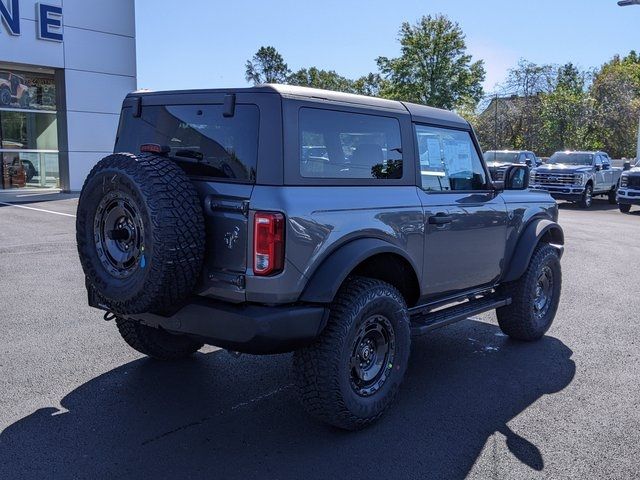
[529,240]
[329,276]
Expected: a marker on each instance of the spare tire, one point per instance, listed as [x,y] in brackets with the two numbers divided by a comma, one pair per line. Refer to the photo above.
[140,234]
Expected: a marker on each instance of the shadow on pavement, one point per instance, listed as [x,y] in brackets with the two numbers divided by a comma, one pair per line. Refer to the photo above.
[215,416]
[598,205]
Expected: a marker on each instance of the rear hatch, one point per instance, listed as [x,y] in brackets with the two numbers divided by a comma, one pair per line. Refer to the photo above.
[215,139]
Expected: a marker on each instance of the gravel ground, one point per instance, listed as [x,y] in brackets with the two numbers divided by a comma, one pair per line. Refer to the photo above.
[76,402]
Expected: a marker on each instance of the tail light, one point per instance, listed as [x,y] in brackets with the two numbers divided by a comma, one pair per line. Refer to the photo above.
[268,243]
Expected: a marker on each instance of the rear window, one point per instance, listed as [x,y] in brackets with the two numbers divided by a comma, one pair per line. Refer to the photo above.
[349,145]
[200,138]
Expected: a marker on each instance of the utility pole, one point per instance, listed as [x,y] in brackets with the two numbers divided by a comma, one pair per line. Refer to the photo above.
[628,3]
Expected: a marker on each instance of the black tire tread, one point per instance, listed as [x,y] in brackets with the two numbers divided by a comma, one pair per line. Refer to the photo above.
[624,207]
[315,367]
[177,227]
[154,342]
[515,318]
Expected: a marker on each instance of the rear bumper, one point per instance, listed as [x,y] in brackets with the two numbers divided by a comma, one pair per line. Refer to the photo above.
[256,329]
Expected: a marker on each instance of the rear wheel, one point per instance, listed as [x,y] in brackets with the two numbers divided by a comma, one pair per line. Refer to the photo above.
[624,207]
[352,373]
[154,342]
[534,297]
[587,197]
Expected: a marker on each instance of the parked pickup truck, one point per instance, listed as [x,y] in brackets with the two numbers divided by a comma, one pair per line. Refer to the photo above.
[629,190]
[577,177]
[499,160]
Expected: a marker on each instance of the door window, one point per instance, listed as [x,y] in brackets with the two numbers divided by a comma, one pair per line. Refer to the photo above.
[448,160]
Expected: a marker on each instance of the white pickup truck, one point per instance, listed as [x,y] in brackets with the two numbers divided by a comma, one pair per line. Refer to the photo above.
[577,177]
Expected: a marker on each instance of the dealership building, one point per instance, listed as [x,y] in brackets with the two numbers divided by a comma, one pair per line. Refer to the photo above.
[65,67]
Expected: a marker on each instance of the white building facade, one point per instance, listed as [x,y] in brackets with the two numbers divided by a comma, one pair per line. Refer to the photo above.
[65,67]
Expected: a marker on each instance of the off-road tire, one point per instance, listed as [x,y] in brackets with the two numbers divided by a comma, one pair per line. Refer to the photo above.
[172,232]
[587,197]
[154,342]
[624,207]
[518,320]
[322,371]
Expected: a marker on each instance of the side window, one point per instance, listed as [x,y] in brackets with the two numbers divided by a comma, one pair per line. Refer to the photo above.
[598,160]
[337,144]
[522,159]
[605,161]
[448,160]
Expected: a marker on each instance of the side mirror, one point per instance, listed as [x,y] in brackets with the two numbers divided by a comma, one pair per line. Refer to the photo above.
[626,166]
[516,177]
[598,168]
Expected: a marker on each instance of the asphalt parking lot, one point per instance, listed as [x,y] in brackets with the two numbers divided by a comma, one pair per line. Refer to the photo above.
[76,402]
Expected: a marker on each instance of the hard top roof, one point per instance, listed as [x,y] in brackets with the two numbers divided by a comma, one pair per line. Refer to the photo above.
[419,112]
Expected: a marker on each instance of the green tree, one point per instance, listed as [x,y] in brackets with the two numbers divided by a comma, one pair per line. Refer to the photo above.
[266,66]
[316,78]
[565,112]
[615,93]
[433,67]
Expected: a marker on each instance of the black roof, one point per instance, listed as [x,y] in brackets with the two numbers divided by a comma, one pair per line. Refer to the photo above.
[419,112]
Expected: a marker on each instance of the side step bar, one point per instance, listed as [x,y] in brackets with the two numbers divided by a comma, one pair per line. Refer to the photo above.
[422,323]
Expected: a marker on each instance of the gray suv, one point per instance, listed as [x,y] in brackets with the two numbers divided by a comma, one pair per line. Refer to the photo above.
[276,219]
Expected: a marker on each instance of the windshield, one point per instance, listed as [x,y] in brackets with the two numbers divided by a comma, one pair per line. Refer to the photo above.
[571,158]
[501,157]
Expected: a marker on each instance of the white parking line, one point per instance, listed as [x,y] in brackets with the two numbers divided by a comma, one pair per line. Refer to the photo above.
[37,209]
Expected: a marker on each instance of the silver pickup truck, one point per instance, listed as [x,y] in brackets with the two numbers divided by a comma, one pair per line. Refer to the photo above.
[577,177]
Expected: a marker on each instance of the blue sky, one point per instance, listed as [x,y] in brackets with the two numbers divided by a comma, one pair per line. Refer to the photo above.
[205,43]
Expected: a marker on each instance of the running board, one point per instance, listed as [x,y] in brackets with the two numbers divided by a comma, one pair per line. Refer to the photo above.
[422,323]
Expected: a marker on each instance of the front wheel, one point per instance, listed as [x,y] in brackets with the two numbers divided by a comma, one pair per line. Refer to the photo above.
[624,207]
[587,197]
[352,373]
[534,297]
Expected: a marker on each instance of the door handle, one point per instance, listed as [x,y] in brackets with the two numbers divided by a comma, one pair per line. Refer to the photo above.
[440,219]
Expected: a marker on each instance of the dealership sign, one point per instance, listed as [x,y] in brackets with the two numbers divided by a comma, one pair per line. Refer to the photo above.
[48,17]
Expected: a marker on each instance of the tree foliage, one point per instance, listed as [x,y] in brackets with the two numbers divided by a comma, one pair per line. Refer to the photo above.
[433,67]
[547,108]
[266,66]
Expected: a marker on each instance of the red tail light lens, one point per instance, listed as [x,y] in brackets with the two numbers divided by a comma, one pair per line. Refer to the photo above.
[268,243]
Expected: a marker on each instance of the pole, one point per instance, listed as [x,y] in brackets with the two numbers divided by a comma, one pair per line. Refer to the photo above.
[495,122]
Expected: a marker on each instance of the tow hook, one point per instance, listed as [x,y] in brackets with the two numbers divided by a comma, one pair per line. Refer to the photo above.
[108,316]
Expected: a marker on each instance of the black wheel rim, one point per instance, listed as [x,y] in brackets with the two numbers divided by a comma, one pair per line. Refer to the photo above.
[543,293]
[119,235]
[372,355]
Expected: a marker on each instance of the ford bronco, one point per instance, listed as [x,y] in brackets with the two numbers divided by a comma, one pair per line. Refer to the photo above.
[283,219]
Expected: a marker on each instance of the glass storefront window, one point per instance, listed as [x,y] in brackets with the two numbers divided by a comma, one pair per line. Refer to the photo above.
[30,169]
[28,130]
[35,91]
